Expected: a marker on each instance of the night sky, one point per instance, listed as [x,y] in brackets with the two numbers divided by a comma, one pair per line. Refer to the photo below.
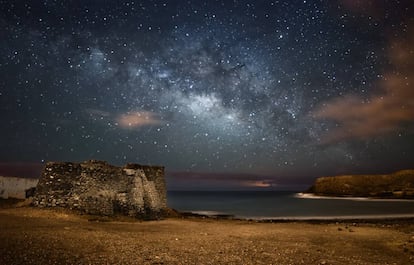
[224,94]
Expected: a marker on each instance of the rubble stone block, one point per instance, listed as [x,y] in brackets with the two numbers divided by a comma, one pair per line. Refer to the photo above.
[96,187]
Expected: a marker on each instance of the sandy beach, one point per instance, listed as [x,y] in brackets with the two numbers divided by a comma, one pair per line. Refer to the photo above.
[35,236]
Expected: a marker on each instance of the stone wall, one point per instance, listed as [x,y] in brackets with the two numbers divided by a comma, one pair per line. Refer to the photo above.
[95,187]
[14,187]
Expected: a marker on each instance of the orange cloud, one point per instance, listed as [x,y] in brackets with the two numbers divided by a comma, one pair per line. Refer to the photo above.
[391,110]
[137,119]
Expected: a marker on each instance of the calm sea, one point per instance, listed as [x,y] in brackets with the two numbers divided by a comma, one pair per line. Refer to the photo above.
[281,205]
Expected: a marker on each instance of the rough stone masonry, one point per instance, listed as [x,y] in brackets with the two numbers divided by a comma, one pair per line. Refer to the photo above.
[96,187]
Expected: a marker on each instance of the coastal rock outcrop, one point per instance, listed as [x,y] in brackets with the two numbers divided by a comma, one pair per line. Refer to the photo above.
[398,185]
[96,187]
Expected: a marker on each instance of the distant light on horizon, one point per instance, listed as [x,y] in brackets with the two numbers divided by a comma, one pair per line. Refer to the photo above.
[257,184]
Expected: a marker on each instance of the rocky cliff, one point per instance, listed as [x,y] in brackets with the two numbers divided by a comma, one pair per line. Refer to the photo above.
[397,185]
[96,187]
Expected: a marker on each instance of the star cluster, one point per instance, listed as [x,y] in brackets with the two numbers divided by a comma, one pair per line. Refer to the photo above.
[208,86]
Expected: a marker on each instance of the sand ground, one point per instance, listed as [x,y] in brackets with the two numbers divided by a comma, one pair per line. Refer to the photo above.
[35,236]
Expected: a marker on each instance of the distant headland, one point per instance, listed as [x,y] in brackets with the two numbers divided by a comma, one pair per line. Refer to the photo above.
[398,185]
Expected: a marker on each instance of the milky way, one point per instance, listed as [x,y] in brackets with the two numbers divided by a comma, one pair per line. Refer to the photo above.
[269,88]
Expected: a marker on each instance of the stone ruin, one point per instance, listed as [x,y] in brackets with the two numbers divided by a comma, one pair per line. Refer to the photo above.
[98,188]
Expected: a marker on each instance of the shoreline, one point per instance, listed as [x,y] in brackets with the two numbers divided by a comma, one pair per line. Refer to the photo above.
[216,215]
[305,195]
[324,219]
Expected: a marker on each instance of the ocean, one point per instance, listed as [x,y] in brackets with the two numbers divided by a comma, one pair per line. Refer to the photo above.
[286,205]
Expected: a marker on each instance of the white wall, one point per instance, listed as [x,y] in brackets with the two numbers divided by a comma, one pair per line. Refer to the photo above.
[13,187]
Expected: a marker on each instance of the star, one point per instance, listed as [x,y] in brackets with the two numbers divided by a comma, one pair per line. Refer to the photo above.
[274,88]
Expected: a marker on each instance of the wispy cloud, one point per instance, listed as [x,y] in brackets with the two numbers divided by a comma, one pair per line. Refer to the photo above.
[137,119]
[372,8]
[390,110]
[127,120]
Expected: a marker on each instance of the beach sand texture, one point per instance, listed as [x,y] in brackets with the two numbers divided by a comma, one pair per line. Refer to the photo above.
[35,236]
